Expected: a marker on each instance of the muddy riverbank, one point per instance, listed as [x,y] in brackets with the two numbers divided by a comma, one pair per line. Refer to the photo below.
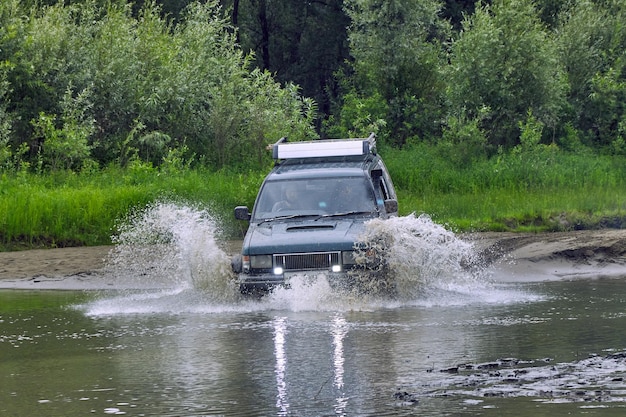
[553,256]
[513,256]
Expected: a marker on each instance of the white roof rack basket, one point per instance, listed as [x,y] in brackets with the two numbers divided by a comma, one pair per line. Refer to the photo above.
[324,148]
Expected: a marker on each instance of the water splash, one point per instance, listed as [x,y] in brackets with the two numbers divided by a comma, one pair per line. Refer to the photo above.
[169,245]
[169,252]
[423,257]
[427,264]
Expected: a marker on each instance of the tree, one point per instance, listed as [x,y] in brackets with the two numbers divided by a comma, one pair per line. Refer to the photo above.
[504,65]
[300,41]
[5,124]
[146,87]
[396,46]
[592,40]
[66,147]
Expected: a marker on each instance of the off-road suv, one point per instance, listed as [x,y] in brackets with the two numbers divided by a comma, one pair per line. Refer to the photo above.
[310,211]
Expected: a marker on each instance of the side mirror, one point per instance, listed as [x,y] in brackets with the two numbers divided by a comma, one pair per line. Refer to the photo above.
[242,213]
[391,206]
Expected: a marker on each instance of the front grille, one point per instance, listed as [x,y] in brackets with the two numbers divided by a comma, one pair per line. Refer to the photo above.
[304,261]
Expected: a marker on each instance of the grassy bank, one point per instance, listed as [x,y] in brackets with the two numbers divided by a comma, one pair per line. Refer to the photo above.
[67,209]
[519,192]
[538,189]
[538,210]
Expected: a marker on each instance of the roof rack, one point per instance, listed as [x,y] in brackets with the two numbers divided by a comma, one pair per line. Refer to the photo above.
[324,148]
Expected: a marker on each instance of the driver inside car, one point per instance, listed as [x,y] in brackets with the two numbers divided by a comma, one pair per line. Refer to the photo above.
[292,196]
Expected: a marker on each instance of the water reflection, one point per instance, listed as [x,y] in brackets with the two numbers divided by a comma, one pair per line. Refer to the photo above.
[339,329]
[280,330]
[563,348]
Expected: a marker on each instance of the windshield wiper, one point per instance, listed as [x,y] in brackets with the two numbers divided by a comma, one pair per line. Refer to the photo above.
[289,216]
[317,216]
[346,213]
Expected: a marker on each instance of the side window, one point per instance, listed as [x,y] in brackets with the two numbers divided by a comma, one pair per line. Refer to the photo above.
[382,182]
[383,188]
[387,185]
[380,191]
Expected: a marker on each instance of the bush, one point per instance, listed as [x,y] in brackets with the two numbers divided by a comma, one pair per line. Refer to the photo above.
[139,87]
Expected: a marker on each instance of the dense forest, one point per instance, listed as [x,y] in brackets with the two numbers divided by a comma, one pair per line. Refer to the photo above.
[88,83]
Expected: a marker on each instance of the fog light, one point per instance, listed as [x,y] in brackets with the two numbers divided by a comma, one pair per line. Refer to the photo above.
[336,268]
[278,270]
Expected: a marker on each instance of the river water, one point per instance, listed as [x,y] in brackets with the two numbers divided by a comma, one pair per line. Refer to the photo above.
[174,339]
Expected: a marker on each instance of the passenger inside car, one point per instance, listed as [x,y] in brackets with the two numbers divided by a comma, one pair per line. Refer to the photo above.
[352,195]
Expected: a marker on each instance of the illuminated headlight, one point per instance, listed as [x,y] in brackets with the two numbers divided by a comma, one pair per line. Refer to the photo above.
[278,270]
[336,268]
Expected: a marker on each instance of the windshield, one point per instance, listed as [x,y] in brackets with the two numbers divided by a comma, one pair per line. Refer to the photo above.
[314,197]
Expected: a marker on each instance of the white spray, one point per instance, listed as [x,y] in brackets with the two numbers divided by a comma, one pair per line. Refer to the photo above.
[174,249]
[173,246]
[422,256]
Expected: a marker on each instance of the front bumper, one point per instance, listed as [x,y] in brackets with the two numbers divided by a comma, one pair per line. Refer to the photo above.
[253,283]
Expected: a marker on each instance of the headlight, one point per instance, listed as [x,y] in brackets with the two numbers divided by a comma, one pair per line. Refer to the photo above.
[245,263]
[261,261]
[347,258]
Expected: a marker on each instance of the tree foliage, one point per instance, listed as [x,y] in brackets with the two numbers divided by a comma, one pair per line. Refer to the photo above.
[503,65]
[95,82]
[299,41]
[396,49]
[66,147]
[592,41]
[144,85]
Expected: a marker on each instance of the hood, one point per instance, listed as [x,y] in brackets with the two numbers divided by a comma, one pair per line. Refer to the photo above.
[302,236]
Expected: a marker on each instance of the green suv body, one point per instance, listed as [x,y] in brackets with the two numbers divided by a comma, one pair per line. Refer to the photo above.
[310,212]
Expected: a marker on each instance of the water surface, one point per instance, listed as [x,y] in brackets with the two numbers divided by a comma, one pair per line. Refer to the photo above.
[183,343]
[559,346]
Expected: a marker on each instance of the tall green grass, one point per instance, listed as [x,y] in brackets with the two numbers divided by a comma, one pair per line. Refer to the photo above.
[70,210]
[511,210]
[541,190]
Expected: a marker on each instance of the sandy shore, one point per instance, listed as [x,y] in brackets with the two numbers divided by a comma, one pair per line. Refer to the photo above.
[67,268]
[554,256]
[511,256]
[52,262]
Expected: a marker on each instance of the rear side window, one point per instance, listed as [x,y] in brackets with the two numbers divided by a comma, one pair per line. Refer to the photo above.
[386,185]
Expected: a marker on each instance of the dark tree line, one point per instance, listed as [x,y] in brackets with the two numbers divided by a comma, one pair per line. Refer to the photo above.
[306,42]
[111,81]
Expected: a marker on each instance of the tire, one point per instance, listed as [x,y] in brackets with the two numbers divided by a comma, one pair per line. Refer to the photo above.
[236,264]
